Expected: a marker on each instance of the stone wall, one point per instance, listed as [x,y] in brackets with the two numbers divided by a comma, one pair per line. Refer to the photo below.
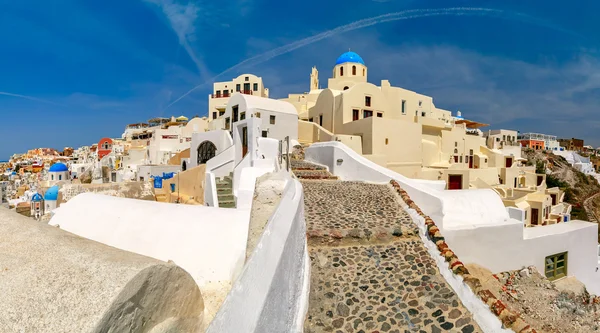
[54,281]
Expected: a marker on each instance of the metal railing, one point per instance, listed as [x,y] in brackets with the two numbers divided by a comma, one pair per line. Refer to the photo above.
[286,140]
[245,92]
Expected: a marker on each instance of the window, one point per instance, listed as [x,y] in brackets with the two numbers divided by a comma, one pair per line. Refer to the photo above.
[353,70]
[227,121]
[485,160]
[257,115]
[225,93]
[272,120]
[341,71]
[311,119]
[52,177]
[364,72]
[264,134]
[255,87]
[455,144]
[242,115]
[386,141]
[461,159]
[320,120]
[367,100]
[420,103]
[423,114]
[221,113]
[355,113]
[379,115]
[403,107]
[455,159]
[367,113]
[556,266]
[470,151]
[456,151]
[504,138]
[235,111]
[246,79]
[346,88]
[59,177]
[218,93]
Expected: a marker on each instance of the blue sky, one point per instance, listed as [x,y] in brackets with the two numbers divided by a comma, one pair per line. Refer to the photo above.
[75,71]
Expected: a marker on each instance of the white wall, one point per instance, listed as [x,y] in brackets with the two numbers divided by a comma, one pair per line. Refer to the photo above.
[271,294]
[220,138]
[208,242]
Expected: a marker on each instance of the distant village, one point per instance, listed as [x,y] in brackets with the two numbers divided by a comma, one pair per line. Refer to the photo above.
[275,190]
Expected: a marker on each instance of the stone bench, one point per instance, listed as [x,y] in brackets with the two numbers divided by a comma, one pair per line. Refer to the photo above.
[54,281]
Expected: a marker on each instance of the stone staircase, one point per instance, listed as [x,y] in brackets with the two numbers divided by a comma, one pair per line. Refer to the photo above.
[370,271]
[225,192]
[309,171]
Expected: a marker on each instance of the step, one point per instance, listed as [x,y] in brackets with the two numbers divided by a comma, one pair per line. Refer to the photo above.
[314,174]
[225,197]
[227,204]
[221,190]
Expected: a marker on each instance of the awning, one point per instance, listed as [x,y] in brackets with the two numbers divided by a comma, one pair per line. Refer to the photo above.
[470,123]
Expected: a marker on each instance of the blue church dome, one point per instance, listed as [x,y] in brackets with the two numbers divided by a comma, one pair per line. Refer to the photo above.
[58,167]
[52,193]
[349,57]
[36,197]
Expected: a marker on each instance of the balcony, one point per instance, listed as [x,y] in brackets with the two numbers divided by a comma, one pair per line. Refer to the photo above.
[245,92]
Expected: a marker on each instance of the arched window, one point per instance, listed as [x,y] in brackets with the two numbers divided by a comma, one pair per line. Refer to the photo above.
[364,71]
[206,151]
[341,71]
[353,70]
[52,177]
[59,177]
[346,88]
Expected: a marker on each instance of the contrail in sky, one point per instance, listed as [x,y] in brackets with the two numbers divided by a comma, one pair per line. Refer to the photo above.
[397,16]
[31,98]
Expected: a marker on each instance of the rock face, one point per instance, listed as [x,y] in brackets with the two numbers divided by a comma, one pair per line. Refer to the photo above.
[54,281]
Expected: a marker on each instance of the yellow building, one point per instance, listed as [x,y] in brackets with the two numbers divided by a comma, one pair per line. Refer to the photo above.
[247,84]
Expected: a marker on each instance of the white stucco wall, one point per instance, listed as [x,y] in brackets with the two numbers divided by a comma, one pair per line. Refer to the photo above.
[208,242]
[271,294]
[220,138]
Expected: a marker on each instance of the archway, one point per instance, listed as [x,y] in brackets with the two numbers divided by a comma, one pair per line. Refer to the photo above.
[183,166]
[206,151]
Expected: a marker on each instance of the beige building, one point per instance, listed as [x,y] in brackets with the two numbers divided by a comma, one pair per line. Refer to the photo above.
[247,84]
[404,131]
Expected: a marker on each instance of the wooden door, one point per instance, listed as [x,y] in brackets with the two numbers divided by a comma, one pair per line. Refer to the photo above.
[244,141]
[534,216]
[470,162]
[540,180]
[509,162]
[455,182]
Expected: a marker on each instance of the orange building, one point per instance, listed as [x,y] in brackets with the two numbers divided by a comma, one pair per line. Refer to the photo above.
[533,144]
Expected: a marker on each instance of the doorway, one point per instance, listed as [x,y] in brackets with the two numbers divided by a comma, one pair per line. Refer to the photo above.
[455,182]
[534,216]
[244,141]
[206,151]
[470,162]
[509,162]
[247,88]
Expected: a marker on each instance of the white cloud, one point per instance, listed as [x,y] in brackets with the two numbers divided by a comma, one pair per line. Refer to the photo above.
[182,19]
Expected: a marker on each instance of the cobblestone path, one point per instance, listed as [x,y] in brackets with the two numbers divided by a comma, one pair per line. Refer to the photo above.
[370,272]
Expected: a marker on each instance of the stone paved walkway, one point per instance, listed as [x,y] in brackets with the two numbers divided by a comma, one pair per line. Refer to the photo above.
[379,284]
